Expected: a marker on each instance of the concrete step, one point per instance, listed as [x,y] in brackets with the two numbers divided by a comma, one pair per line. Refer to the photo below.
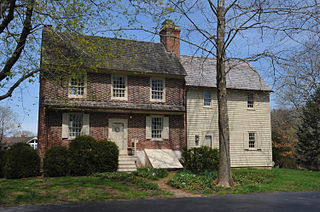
[127,163]
[127,169]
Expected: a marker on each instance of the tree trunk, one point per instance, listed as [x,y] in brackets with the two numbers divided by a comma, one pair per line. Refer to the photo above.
[224,173]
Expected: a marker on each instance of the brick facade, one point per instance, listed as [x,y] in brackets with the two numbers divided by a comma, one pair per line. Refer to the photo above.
[136,129]
[99,90]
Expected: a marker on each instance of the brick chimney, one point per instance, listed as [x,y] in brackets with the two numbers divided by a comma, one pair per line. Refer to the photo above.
[170,37]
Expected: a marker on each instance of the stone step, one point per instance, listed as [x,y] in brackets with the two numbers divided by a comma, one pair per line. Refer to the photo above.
[124,162]
[127,163]
[121,158]
[127,166]
[127,169]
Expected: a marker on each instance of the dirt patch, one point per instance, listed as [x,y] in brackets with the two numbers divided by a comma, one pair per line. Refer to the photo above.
[177,193]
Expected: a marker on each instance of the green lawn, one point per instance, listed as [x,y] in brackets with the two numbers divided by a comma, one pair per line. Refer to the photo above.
[73,189]
[249,181]
[282,180]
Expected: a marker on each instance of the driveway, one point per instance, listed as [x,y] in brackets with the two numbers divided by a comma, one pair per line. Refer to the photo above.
[308,201]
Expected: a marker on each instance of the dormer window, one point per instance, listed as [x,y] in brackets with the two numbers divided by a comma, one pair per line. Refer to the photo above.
[77,87]
[250,100]
[157,90]
[119,87]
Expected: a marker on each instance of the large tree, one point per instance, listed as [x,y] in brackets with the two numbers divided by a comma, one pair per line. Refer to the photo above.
[21,24]
[222,29]
[308,146]
[8,122]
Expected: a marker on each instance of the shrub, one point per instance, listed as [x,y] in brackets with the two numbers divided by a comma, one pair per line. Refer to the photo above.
[22,161]
[82,157]
[200,159]
[152,174]
[2,162]
[106,155]
[200,182]
[56,161]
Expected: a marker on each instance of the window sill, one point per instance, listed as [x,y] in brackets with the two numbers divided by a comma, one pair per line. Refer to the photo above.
[253,149]
[251,109]
[119,98]
[157,100]
[208,107]
[76,96]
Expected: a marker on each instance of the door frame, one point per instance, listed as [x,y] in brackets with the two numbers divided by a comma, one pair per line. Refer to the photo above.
[125,132]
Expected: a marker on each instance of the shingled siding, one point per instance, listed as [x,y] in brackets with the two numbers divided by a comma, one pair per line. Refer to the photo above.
[136,129]
[99,90]
[204,121]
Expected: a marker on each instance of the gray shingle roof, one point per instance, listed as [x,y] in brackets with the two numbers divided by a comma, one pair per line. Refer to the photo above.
[201,72]
[108,53]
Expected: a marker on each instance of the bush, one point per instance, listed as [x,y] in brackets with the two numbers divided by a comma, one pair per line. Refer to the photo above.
[200,182]
[151,174]
[56,161]
[2,162]
[82,156]
[106,156]
[200,159]
[22,161]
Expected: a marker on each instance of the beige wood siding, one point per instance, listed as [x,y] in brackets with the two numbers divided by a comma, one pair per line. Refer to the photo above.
[204,121]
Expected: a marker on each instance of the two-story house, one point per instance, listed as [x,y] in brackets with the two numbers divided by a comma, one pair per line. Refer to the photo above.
[126,91]
[248,111]
[145,96]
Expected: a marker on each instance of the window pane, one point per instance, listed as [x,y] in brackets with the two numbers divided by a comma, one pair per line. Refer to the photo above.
[252,140]
[250,100]
[119,86]
[156,127]
[157,89]
[75,124]
[77,86]
[207,98]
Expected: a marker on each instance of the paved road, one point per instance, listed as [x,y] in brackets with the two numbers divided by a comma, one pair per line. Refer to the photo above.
[309,201]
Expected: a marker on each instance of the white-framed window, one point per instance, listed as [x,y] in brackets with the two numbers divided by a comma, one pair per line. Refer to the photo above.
[252,140]
[157,127]
[207,98]
[75,124]
[33,143]
[78,87]
[119,87]
[250,103]
[157,89]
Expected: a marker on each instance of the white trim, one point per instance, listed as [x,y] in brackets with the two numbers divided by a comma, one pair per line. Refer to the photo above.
[125,98]
[125,131]
[164,89]
[84,90]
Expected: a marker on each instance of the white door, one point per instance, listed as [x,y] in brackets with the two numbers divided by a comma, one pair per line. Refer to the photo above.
[118,134]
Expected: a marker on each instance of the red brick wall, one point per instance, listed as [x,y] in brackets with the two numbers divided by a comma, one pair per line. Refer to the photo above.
[136,129]
[99,89]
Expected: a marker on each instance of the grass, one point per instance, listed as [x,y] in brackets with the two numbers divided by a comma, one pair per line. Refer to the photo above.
[100,187]
[249,181]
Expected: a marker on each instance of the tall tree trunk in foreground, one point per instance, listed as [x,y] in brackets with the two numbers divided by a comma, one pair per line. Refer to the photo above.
[224,173]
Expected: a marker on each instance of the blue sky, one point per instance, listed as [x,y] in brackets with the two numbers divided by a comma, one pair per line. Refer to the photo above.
[25,100]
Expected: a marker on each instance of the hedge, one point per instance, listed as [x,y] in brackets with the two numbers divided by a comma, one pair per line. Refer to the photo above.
[56,162]
[22,161]
[200,159]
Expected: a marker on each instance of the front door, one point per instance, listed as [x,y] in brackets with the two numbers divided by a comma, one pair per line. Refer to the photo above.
[118,134]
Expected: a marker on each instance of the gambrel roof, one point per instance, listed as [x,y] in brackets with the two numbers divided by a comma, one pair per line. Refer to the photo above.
[201,72]
[108,53]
